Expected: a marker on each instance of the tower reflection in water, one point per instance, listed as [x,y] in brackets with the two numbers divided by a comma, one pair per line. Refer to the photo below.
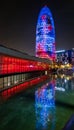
[45,107]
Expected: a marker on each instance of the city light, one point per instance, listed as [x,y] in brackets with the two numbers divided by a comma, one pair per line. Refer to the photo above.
[60,51]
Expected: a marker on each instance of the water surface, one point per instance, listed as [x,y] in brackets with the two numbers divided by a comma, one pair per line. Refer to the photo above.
[46,106]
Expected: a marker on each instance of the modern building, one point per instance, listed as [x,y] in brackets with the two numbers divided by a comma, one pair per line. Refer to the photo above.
[45,35]
[18,69]
[65,56]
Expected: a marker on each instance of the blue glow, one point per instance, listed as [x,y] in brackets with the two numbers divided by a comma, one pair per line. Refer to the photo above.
[60,51]
[45,35]
[45,107]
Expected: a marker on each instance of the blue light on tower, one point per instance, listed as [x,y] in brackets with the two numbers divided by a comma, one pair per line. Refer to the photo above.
[45,35]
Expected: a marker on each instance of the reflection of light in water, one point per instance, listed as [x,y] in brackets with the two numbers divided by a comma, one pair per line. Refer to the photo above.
[64,83]
[45,107]
[56,76]
[4,95]
[60,89]
[68,78]
[65,80]
[62,76]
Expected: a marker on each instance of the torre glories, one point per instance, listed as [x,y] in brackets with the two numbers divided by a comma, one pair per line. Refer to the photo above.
[45,35]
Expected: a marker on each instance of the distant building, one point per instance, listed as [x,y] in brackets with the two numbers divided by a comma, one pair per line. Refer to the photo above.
[65,56]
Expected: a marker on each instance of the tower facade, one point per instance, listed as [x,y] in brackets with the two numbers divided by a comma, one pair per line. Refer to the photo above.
[45,35]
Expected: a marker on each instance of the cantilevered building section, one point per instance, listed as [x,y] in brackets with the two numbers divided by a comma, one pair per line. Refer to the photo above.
[45,35]
[20,70]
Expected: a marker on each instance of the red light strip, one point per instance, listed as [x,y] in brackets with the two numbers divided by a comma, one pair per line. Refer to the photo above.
[16,89]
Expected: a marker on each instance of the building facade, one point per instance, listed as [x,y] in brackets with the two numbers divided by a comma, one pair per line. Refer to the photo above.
[19,69]
[45,35]
[65,56]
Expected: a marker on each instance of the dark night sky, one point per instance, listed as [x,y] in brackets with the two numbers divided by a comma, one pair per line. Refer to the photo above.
[18,23]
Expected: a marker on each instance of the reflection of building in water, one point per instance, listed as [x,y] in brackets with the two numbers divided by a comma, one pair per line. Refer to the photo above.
[64,82]
[45,107]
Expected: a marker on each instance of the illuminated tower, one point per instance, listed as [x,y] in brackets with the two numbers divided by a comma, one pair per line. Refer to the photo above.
[45,35]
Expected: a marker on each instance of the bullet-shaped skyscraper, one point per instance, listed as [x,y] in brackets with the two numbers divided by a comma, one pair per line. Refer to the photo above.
[45,35]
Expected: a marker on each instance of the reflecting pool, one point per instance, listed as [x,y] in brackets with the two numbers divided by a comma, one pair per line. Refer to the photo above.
[45,106]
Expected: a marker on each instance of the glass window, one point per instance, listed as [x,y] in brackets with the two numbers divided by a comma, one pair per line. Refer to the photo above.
[15,79]
[1,83]
[12,80]
[5,82]
[9,80]
[22,77]
[18,78]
